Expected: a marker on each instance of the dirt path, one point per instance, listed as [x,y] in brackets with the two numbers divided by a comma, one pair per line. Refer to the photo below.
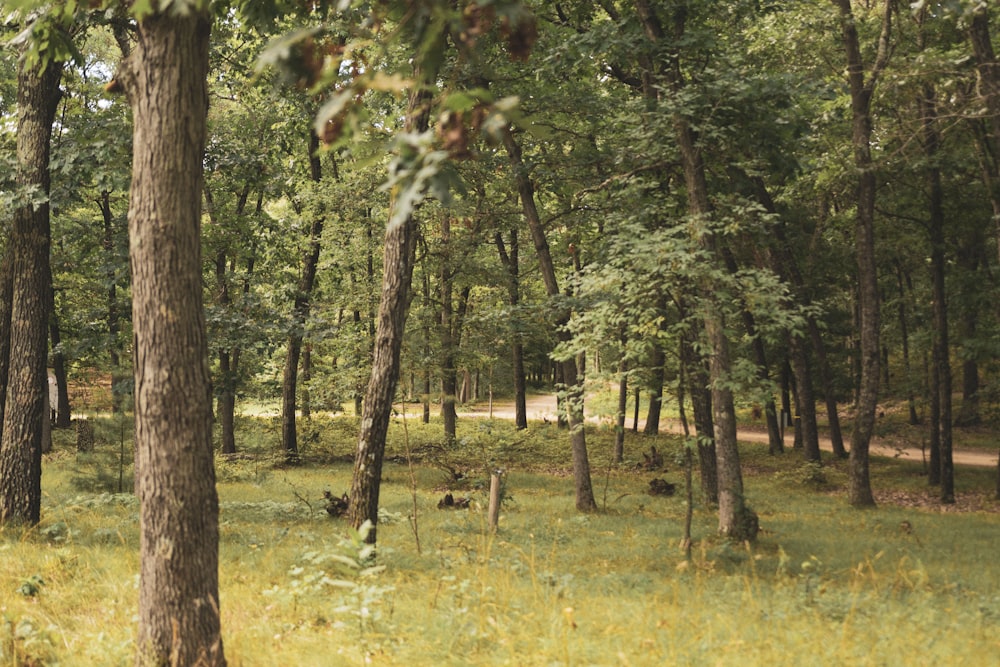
[543,407]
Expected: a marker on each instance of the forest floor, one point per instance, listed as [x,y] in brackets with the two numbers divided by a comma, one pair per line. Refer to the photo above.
[542,407]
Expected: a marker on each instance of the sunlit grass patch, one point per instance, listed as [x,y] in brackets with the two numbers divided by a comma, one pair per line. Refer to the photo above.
[824,584]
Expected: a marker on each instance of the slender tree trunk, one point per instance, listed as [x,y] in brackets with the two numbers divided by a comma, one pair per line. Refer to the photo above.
[941,357]
[760,358]
[300,315]
[509,259]
[904,333]
[736,520]
[398,258]
[619,455]
[62,406]
[859,484]
[989,86]
[657,362]
[113,311]
[30,302]
[165,79]
[449,374]
[701,408]
[227,403]
[806,401]
[585,501]
[971,262]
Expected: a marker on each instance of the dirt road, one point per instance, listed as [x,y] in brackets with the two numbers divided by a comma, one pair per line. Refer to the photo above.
[543,407]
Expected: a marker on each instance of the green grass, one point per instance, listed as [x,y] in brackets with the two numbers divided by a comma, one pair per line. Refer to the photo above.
[825,583]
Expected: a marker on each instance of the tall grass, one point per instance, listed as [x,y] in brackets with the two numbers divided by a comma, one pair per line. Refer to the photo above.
[825,584]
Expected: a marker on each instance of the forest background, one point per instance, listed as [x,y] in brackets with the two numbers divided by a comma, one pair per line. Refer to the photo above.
[770,206]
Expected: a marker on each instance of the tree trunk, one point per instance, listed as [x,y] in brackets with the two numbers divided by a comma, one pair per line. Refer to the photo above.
[988,69]
[449,374]
[300,314]
[30,303]
[904,333]
[573,402]
[941,351]
[701,408]
[61,408]
[398,258]
[859,480]
[806,399]
[113,311]
[760,358]
[619,454]
[509,259]
[656,366]
[165,79]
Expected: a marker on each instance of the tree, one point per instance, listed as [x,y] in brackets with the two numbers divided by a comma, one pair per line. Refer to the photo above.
[164,77]
[571,373]
[400,245]
[23,375]
[861,92]
[300,313]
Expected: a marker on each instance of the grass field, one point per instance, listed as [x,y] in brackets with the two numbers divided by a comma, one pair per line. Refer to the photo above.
[903,584]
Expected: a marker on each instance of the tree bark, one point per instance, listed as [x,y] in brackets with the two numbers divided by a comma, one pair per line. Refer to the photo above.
[573,402]
[6,297]
[398,258]
[165,80]
[30,302]
[859,479]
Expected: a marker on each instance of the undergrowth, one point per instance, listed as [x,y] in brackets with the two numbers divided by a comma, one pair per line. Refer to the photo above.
[823,584]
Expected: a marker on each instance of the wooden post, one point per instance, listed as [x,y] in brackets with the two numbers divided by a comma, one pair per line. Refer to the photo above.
[494,512]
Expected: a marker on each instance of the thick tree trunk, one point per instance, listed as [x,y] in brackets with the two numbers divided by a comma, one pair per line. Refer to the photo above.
[398,258]
[573,402]
[300,314]
[859,480]
[30,302]
[165,79]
